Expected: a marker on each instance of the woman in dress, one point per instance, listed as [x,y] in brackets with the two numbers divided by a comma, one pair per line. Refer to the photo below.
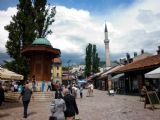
[71,106]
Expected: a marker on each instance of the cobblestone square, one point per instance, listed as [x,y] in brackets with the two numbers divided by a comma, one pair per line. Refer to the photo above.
[99,107]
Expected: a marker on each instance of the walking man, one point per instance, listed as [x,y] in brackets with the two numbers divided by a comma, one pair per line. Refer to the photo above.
[26,96]
[49,86]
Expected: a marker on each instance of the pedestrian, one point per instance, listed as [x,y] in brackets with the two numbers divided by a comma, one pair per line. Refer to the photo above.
[74,91]
[81,91]
[43,85]
[91,89]
[1,94]
[58,94]
[15,87]
[52,85]
[49,86]
[70,88]
[26,96]
[64,88]
[33,85]
[58,107]
[71,106]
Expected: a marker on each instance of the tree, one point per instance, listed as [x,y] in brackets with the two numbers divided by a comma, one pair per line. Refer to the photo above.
[44,17]
[21,33]
[91,60]
[31,21]
[95,60]
[88,60]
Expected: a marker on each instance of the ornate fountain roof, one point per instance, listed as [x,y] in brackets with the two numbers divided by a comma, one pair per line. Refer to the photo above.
[41,41]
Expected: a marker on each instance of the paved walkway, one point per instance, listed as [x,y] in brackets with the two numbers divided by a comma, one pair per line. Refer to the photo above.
[99,107]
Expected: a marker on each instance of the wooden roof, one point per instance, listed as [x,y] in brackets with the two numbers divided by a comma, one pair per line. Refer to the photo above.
[40,48]
[149,62]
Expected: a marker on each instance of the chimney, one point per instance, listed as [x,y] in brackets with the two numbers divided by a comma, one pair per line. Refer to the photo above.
[130,60]
[120,60]
[128,57]
[142,51]
[158,51]
[123,61]
[135,54]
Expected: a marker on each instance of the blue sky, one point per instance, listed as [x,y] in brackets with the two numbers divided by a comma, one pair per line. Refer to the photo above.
[79,22]
[94,6]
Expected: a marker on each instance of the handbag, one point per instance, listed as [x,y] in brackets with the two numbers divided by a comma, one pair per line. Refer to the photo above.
[52,118]
[77,117]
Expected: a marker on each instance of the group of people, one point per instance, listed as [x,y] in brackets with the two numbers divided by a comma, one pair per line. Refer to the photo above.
[75,89]
[49,86]
[64,105]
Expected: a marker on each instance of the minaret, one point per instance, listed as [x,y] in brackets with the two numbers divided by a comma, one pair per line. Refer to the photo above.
[106,42]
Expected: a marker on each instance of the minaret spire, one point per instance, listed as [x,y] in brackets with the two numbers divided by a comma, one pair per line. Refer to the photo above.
[105,30]
[106,42]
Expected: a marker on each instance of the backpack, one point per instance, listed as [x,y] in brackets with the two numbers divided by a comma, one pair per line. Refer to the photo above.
[53,107]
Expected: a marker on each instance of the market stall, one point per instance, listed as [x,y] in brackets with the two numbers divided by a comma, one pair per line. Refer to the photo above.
[153,74]
[9,75]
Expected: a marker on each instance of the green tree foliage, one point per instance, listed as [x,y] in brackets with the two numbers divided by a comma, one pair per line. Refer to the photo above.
[91,60]
[88,60]
[44,17]
[31,21]
[21,32]
[95,60]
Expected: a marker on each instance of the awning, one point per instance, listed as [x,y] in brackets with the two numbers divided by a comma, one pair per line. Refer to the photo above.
[9,75]
[82,81]
[116,77]
[153,74]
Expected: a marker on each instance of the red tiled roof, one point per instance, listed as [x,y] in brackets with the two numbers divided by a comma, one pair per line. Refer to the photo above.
[140,64]
[56,60]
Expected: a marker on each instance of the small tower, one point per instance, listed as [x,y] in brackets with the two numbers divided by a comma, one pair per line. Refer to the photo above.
[106,42]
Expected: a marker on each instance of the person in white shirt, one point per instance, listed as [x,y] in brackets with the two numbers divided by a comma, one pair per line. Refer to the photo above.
[74,91]
[92,87]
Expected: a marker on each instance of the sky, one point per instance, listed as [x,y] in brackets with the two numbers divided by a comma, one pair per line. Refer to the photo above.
[132,25]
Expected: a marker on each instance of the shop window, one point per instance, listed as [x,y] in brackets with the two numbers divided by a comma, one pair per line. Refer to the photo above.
[57,74]
[57,67]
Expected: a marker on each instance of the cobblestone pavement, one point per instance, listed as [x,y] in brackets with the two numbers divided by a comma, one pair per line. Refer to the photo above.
[99,107]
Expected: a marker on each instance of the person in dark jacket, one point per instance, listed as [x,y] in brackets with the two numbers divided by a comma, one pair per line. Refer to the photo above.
[71,106]
[26,96]
[58,94]
[1,94]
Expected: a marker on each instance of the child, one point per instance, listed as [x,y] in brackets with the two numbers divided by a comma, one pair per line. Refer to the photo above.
[81,91]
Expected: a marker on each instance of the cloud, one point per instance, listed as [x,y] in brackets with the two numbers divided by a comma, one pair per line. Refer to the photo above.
[137,28]
[130,30]
[5,18]
[74,29]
